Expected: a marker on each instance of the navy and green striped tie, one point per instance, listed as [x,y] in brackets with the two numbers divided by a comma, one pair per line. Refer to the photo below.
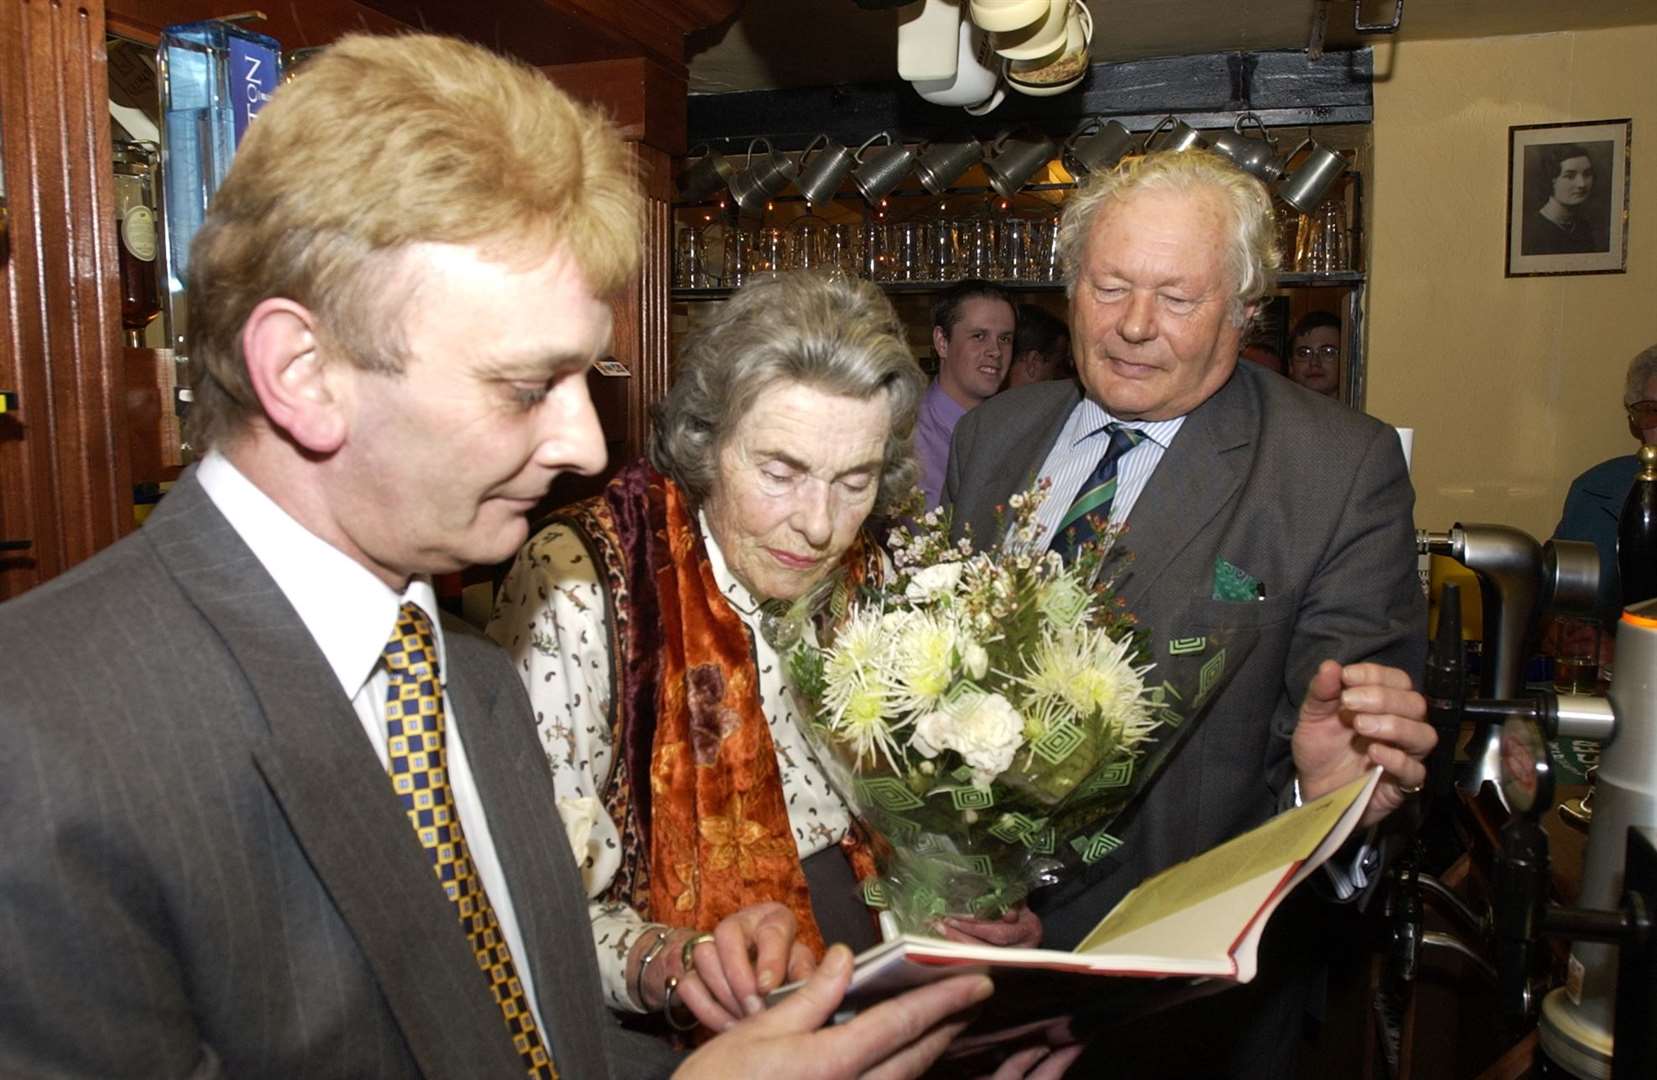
[1092,505]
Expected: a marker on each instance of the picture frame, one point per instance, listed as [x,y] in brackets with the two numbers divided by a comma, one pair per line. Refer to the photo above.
[1567,197]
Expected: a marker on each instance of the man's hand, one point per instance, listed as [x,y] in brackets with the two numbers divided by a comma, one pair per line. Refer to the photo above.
[1019,929]
[1357,716]
[895,1040]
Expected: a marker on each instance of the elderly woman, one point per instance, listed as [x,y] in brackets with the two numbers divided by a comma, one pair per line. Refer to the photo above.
[639,622]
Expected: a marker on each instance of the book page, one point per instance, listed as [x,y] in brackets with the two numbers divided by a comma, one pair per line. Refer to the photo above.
[1281,843]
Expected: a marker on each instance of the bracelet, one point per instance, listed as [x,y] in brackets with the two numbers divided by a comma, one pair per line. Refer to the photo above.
[650,953]
[667,1007]
[687,953]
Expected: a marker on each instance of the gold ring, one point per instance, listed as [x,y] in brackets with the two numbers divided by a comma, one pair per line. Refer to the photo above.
[687,952]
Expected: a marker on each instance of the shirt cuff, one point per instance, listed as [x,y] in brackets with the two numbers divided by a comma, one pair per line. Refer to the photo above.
[615,929]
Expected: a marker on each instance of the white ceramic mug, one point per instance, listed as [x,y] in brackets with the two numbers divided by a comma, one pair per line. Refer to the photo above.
[976,72]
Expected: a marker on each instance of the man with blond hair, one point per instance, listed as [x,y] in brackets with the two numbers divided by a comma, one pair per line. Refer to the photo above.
[268,812]
[1268,533]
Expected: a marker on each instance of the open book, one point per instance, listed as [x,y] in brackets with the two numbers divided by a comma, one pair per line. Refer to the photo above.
[1203,917]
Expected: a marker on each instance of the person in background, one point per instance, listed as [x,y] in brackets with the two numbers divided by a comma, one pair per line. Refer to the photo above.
[1264,355]
[1267,530]
[1315,353]
[1041,348]
[1593,504]
[973,323]
[1560,226]
[272,813]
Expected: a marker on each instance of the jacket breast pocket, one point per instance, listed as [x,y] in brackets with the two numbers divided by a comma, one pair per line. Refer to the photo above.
[1208,614]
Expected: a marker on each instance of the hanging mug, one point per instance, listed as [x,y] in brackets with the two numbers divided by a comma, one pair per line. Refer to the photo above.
[1097,147]
[822,175]
[1257,157]
[1181,136]
[880,169]
[707,174]
[1305,188]
[1011,162]
[762,178]
[941,164]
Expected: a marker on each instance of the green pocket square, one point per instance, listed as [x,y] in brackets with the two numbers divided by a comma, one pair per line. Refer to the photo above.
[1234,583]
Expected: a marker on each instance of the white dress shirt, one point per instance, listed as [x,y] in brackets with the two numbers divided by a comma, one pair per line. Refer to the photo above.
[350,614]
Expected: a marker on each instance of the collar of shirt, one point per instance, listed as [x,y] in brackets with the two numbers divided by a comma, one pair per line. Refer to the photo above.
[1090,418]
[348,611]
[735,592]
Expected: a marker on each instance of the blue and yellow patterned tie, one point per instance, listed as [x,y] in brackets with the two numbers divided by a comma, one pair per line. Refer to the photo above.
[419,765]
[1098,492]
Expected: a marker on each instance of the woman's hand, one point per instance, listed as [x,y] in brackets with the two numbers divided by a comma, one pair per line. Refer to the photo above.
[750,954]
[1019,928]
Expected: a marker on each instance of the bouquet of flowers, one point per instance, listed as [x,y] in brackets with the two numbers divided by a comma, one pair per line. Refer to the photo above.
[984,715]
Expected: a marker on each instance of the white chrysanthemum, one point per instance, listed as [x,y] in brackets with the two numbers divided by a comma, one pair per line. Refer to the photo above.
[1087,673]
[923,665]
[865,721]
[984,729]
[859,651]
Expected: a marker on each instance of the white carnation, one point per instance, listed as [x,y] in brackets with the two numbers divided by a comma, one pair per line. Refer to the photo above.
[983,728]
[933,582]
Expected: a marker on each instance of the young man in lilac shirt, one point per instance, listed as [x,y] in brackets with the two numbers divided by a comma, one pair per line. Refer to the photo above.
[972,333]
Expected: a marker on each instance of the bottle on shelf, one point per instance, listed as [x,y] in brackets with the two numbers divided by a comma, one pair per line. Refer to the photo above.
[136,236]
[1637,533]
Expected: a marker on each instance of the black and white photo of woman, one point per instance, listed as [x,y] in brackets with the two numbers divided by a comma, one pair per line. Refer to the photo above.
[1568,211]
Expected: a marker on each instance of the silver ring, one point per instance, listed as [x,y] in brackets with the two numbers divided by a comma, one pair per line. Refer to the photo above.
[1416,790]
[668,1011]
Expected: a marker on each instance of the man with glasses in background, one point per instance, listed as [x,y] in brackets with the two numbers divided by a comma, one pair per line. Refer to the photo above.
[1594,503]
[1315,353]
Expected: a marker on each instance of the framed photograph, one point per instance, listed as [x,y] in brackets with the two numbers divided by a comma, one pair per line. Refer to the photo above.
[1567,198]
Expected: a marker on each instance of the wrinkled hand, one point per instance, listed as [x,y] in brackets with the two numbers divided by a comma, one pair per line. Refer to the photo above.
[752,953]
[1357,716]
[895,1040]
[1018,928]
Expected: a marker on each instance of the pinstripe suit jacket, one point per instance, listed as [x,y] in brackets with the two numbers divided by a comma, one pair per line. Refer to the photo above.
[1311,498]
[203,870]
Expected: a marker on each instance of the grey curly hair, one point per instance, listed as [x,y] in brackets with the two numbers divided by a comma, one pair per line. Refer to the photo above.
[1251,257]
[1641,370]
[837,335]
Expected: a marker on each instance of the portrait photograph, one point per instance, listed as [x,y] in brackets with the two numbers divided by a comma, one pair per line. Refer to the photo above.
[1567,198]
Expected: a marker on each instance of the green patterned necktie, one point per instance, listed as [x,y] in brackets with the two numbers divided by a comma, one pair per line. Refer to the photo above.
[1098,492]
[419,766]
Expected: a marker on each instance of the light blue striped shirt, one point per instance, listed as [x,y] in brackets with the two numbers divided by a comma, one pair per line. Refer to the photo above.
[1080,445]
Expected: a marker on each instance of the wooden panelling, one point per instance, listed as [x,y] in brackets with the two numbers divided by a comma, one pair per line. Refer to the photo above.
[644,98]
[297,24]
[65,480]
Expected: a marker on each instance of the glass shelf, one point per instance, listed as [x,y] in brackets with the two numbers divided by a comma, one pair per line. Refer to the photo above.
[1342,279]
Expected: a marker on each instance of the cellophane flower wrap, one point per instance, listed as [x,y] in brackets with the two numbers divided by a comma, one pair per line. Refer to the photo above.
[985,715]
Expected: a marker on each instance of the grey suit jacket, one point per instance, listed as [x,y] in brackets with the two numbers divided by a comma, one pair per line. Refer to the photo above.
[203,869]
[1304,494]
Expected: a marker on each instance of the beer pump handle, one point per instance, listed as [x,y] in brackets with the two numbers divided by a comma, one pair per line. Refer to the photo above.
[1446,686]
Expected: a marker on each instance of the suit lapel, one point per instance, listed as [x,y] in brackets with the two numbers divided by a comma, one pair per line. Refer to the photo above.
[515,785]
[309,746]
[1195,480]
[1012,457]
